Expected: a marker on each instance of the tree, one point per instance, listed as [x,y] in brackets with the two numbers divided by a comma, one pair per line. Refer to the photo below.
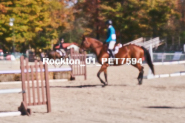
[162,18]
[30,17]
[131,18]
[90,12]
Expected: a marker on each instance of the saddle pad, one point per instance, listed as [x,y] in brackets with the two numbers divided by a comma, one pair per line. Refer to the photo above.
[117,49]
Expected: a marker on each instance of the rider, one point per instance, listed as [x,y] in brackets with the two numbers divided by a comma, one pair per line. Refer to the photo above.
[61,48]
[111,37]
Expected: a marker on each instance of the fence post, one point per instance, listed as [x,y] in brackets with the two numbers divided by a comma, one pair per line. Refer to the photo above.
[72,66]
[85,67]
[47,88]
[23,79]
[23,107]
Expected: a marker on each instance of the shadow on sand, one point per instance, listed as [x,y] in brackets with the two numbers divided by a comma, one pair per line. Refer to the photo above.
[165,107]
[86,86]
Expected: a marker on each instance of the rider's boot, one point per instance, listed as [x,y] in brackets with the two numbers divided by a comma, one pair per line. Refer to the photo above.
[111,54]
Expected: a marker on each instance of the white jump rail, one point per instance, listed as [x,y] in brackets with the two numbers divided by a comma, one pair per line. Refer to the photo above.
[139,40]
[7,91]
[151,76]
[6,114]
[50,70]
[154,42]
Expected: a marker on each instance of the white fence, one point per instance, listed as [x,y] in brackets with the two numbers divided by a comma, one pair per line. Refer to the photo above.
[168,57]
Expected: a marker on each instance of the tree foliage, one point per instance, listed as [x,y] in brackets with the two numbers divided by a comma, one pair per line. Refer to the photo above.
[37,22]
[131,18]
[40,23]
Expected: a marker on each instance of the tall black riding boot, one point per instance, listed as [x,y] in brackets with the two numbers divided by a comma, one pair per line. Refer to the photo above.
[111,54]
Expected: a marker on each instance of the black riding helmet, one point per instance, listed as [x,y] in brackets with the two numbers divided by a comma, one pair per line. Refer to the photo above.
[109,22]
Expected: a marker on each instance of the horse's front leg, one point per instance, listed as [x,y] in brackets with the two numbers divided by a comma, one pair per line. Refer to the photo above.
[103,68]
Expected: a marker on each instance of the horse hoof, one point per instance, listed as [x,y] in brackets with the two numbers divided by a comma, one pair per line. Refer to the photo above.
[104,85]
[72,78]
[140,83]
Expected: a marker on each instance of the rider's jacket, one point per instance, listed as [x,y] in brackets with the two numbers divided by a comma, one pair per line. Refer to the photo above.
[111,34]
[61,46]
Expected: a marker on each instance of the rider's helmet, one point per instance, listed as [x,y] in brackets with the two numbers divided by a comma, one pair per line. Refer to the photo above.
[109,22]
[61,40]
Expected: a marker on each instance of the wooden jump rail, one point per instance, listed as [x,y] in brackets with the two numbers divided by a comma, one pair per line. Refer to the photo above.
[80,68]
[33,93]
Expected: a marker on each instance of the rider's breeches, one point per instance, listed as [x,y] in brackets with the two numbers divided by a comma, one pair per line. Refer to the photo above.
[111,45]
[63,51]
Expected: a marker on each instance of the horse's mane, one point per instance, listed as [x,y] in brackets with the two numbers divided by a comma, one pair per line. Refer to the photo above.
[96,41]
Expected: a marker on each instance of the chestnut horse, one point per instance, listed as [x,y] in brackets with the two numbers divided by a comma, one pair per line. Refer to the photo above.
[128,51]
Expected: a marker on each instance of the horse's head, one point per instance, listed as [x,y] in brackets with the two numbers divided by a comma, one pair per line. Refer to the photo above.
[85,44]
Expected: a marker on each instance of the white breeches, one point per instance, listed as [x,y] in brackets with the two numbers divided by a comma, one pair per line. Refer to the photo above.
[111,45]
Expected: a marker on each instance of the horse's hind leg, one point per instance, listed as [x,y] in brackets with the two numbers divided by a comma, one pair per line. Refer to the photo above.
[140,77]
[141,72]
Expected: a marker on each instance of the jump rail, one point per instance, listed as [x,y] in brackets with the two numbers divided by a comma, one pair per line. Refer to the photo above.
[49,70]
[139,40]
[6,91]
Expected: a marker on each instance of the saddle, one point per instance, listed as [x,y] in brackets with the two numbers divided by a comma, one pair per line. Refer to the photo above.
[116,48]
[118,45]
[60,52]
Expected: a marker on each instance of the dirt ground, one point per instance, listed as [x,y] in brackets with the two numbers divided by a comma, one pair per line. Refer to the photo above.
[122,101]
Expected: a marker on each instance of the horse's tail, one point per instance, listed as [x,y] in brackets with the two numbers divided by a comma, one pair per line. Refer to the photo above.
[148,59]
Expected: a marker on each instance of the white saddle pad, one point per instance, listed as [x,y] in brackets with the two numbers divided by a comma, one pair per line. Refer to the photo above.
[116,49]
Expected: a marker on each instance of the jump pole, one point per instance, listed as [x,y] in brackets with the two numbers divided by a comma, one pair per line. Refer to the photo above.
[7,91]
[6,114]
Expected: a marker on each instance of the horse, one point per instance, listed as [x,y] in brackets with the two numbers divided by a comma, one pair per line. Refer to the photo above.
[53,54]
[127,51]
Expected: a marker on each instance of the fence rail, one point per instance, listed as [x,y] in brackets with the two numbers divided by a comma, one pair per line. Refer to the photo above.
[167,57]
